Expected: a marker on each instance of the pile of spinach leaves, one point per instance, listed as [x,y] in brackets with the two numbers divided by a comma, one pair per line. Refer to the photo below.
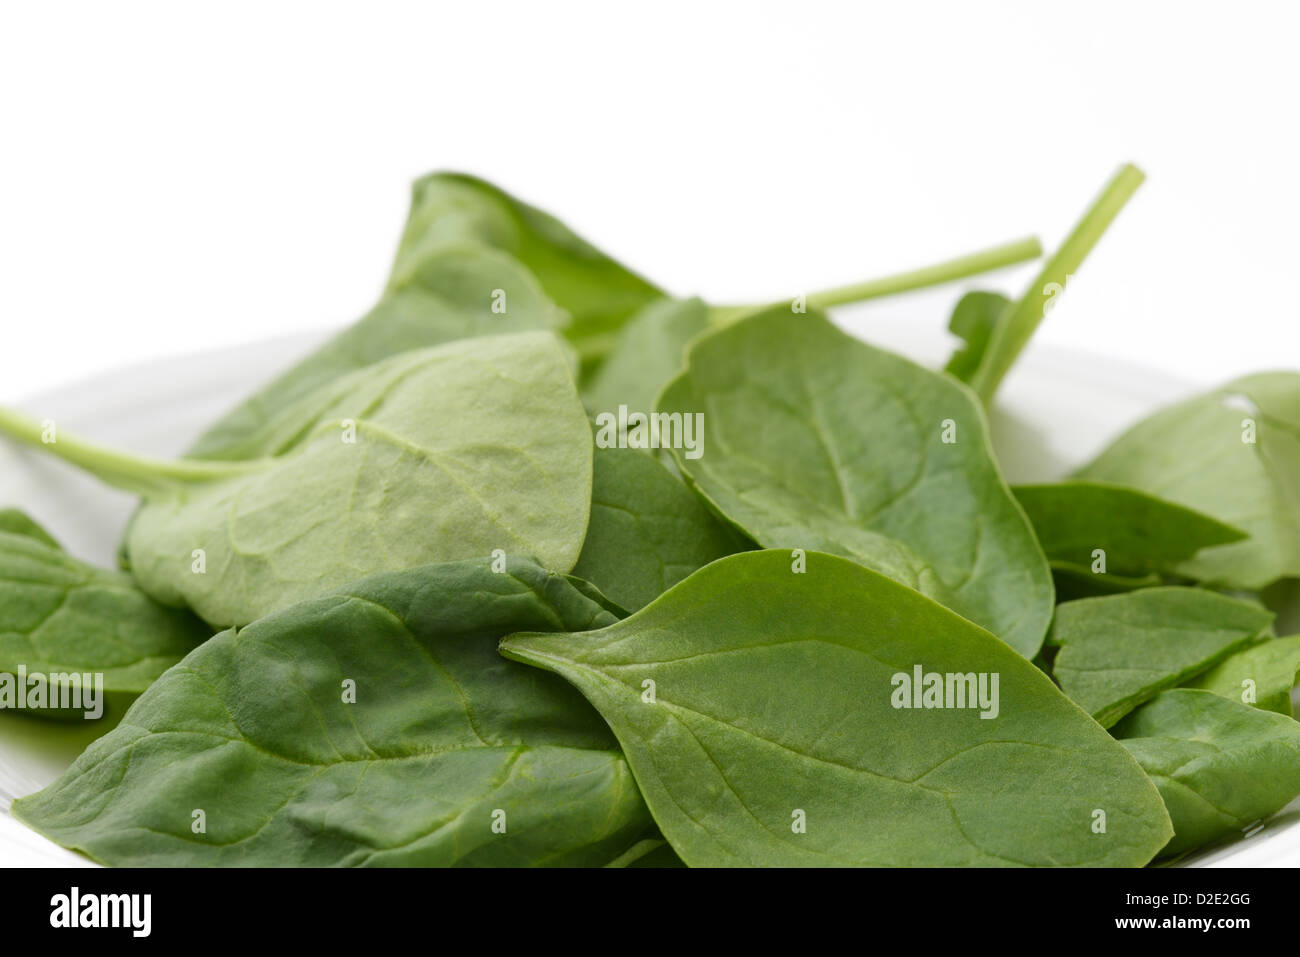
[417,602]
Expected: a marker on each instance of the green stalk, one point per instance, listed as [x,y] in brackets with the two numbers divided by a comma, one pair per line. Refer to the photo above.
[986,260]
[1016,326]
[141,476]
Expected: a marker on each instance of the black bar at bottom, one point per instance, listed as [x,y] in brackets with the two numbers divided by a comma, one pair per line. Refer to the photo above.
[334,907]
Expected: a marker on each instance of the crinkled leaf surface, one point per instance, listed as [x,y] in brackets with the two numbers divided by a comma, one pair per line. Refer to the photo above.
[1220,766]
[449,294]
[459,450]
[1262,675]
[647,531]
[59,615]
[1195,453]
[1120,650]
[452,209]
[815,440]
[253,729]
[772,695]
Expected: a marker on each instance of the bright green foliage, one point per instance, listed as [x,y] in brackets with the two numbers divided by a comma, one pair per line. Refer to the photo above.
[973,320]
[794,413]
[60,616]
[373,726]
[1220,766]
[458,211]
[756,706]
[416,523]
[1139,534]
[435,455]
[647,530]
[1233,454]
[453,293]
[1262,675]
[1121,650]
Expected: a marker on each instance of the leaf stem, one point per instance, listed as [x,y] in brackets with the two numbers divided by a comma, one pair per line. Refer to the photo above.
[142,476]
[986,260]
[1017,325]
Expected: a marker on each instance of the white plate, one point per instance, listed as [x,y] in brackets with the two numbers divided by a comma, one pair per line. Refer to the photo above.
[1058,409]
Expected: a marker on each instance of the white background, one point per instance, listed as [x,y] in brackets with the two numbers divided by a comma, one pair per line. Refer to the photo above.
[175,179]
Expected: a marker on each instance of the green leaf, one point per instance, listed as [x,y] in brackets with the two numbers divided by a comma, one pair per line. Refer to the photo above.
[436,455]
[61,616]
[444,737]
[1220,766]
[815,440]
[1263,675]
[16,522]
[452,293]
[647,531]
[773,702]
[1121,650]
[973,319]
[1074,582]
[1199,453]
[596,595]
[1140,534]
[452,209]
[649,351]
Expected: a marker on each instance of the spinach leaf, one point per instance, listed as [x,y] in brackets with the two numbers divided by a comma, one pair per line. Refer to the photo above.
[1121,650]
[785,707]
[451,293]
[475,261]
[756,708]
[1139,534]
[973,320]
[304,745]
[647,530]
[1073,582]
[456,210]
[61,616]
[818,441]
[434,455]
[1263,675]
[1234,454]
[16,522]
[592,593]
[649,349]
[1220,766]
[648,352]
